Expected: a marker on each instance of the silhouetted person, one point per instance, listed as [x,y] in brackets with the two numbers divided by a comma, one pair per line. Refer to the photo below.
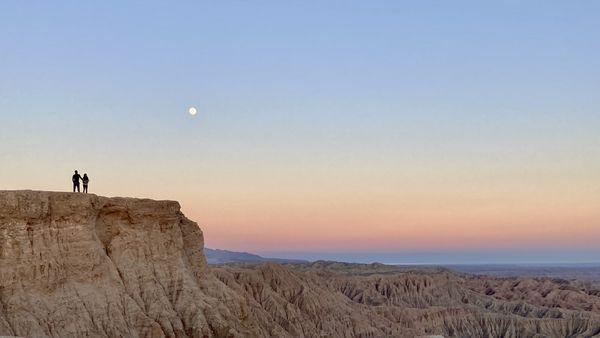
[76,179]
[85,180]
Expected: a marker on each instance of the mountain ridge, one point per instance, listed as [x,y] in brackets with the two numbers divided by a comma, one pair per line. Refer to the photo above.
[220,256]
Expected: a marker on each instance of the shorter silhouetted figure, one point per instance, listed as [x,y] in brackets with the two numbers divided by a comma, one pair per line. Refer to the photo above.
[76,178]
[85,180]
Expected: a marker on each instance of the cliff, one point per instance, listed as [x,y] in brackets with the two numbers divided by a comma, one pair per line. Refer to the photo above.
[74,265]
[83,265]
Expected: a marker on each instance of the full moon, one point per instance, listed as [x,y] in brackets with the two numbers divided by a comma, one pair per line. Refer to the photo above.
[193,111]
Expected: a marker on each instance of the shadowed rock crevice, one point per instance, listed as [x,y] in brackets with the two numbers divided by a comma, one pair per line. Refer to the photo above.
[107,225]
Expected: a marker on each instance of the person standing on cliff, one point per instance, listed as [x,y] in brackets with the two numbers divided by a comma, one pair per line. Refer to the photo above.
[76,178]
[85,180]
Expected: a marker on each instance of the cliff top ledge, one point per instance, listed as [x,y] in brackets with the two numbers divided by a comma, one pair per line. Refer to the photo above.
[33,203]
[74,195]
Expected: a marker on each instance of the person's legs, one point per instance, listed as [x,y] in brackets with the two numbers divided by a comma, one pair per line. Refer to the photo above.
[74,186]
[77,184]
[85,189]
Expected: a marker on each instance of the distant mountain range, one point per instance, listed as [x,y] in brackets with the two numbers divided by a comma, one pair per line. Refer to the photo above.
[218,256]
[589,272]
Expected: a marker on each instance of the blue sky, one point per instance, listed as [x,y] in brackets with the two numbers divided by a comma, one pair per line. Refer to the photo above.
[399,118]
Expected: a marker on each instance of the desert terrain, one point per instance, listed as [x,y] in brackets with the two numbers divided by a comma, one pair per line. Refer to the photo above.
[74,265]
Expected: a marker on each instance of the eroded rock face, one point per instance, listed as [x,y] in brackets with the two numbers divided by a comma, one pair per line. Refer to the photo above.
[75,265]
[83,265]
[381,301]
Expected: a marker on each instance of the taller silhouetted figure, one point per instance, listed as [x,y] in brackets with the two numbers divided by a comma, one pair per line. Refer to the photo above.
[76,178]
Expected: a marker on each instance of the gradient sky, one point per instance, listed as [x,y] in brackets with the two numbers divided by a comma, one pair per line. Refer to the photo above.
[323,126]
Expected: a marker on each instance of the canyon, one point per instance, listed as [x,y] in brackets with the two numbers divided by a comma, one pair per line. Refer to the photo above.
[74,265]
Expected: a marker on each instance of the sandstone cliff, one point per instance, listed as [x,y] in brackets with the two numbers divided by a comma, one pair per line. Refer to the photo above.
[82,265]
[74,265]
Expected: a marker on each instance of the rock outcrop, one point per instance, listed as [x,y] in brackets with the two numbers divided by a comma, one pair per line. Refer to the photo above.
[75,265]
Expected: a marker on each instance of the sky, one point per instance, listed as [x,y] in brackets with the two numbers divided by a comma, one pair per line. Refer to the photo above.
[461,129]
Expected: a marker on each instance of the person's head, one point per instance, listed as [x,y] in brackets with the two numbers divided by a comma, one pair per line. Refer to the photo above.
[85,175]
[76,171]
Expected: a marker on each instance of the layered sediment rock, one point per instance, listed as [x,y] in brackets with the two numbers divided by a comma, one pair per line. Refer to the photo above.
[82,265]
[74,265]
